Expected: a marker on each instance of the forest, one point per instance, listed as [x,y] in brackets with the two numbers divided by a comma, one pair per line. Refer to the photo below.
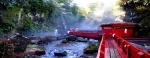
[20,20]
[35,16]
[137,11]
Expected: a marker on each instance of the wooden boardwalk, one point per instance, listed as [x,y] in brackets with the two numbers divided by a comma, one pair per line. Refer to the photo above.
[111,51]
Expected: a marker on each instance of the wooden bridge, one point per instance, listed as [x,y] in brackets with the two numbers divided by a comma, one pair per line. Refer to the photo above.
[116,41]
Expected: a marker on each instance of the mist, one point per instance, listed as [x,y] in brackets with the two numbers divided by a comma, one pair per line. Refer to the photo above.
[101,14]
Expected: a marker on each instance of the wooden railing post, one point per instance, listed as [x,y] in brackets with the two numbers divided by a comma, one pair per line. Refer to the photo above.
[122,45]
[141,55]
[118,41]
[125,49]
[129,54]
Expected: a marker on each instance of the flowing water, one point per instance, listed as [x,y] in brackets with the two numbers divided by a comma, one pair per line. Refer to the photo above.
[73,49]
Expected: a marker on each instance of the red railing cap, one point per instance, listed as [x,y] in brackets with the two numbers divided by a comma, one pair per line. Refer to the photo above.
[125,24]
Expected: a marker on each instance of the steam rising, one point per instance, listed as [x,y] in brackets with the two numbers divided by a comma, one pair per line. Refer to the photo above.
[105,11]
[109,11]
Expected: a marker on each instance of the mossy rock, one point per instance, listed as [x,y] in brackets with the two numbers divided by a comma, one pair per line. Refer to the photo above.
[91,49]
[71,38]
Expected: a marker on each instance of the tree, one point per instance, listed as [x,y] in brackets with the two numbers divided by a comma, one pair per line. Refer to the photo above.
[37,15]
[138,11]
[16,11]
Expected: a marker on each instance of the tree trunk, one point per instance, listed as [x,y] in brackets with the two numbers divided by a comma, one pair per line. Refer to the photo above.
[18,22]
[19,17]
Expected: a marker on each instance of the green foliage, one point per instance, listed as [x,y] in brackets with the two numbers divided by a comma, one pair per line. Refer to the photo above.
[5,27]
[52,8]
[140,10]
[82,12]
[93,47]
[74,10]
[9,21]
[37,6]
[27,25]
[53,11]
[32,46]
[64,3]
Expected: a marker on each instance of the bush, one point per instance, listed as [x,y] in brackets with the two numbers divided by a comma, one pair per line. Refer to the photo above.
[93,47]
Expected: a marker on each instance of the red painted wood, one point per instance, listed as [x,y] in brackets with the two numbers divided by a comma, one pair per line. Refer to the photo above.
[101,50]
[137,38]
[132,51]
[85,34]
[123,55]
[119,29]
[125,48]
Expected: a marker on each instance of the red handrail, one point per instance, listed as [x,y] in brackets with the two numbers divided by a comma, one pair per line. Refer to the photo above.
[125,48]
[101,49]
[130,50]
[104,45]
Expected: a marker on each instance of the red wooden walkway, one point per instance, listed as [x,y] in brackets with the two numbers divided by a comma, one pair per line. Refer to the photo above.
[114,46]
[117,47]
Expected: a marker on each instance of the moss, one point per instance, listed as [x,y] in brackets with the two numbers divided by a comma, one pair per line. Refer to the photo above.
[32,45]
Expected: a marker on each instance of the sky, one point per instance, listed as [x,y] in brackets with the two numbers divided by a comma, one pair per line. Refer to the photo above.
[108,5]
[84,3]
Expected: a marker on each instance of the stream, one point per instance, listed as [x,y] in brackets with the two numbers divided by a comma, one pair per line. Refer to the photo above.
[73,49]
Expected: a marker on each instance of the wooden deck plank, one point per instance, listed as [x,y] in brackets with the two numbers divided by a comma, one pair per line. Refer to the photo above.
[112,50]
[117,53]
[112,54]
[107,53]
